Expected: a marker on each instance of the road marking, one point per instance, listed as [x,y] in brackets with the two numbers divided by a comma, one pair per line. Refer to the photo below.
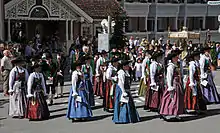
[142,98]
[137,101]
[97,103]
[217,86]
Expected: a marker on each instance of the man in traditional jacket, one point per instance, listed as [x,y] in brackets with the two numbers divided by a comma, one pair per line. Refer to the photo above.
[61,65]
[49,68]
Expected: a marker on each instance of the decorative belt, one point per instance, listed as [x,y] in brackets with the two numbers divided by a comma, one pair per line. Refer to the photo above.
[80,89]
[87,78]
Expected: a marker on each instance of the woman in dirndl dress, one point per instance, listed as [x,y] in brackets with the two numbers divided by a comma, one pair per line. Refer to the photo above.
[98,83]
[207,84]
[172,104]
[88,76]
[78,104]
[17,89]
[37,108]
[111,76]
[124,108]
[193,99]
[156,83]
[144,82]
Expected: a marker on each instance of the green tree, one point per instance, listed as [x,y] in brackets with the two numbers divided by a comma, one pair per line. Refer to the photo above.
[118,37]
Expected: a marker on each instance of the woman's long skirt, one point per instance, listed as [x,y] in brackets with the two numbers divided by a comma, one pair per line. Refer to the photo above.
[192,102]
[142,88]
[37,108]
[109,100]
[17,104]
[173,106]
[89,88]
[124,112]
[154,98]
[210,92]
[79,109]
[98,87]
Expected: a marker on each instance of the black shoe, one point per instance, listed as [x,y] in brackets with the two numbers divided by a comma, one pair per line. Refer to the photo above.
[51,103]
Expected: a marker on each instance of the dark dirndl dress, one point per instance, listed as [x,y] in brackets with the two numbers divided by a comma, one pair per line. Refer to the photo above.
[18,101]
[173,107]
[37,108]
[124,112]
[78,109]
[89,87]
[98,87]
[196,102]
[210,92]
[154,97]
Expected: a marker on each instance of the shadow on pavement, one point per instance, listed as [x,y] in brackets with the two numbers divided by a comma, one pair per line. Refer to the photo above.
[148,118]
[3,101]
[60,103]
[211,112]
[57,110]
[141,106]
[57,116]
[96,118]
[97,107]
[3,118]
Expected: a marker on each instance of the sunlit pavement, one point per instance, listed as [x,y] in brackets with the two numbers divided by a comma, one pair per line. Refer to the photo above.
[102,121]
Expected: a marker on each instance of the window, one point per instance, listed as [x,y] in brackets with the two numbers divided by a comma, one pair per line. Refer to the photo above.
[196,1]
[165,23]
[86,31]
[150,24]
[39,13]
[162,24]
[212,23]
[194,23]
[135,24]
[180,23]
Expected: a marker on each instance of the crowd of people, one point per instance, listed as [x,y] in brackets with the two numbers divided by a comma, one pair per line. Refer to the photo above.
[173,79]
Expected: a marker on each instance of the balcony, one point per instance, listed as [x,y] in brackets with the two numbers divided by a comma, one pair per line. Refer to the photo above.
[137,9]
[166,9]
[196,9]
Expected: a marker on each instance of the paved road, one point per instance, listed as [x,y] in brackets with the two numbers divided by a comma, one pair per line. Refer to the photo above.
[102,121]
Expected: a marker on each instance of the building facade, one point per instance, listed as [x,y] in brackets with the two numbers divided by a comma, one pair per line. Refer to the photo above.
[154,18]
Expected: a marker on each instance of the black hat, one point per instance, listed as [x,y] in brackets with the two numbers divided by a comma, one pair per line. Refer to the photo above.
[96,53]
[125,62]
[87,57]
[193,54]
[49,56]
[36,57]
[116,53]
[103,52]
[78,63]
[157,54]
[36,65]
[149,51]
[205,48]
[173,54]
[18,59]
[115,60]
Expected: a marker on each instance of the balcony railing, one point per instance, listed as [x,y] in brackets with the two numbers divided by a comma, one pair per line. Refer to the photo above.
[170,1]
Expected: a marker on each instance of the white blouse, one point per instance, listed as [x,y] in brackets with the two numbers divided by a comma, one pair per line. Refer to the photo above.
[98,63]
[153,69]
[31,81]
[202,60]
[12,76]
[143,67]
[192,70]
[170,72]
[109,73]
